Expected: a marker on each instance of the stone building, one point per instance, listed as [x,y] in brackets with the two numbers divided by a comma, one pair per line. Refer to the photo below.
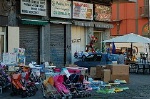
[53,30]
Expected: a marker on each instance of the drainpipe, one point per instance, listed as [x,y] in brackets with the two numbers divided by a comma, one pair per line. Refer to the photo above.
[118,25]
[136,20]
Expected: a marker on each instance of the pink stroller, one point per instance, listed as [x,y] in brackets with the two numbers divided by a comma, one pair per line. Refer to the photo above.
[59,79]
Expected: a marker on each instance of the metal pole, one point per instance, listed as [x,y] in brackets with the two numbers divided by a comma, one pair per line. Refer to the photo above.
[148,18]
[131,50]
[148,27]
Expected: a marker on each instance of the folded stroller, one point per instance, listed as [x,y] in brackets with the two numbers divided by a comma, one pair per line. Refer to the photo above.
[48,89]
[62,89]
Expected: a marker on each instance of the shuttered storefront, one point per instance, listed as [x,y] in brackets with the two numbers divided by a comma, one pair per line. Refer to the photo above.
[57,53]
[29,39]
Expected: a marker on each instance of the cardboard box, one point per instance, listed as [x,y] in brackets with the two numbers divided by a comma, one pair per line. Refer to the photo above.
[118,69]
[107,74]
[120,77]
[92,71]
[99,71]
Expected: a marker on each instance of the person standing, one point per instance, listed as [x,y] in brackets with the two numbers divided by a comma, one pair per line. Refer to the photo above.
[121,58]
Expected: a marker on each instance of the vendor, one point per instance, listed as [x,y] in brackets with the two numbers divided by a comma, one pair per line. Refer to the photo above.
[121,58]
[108,57]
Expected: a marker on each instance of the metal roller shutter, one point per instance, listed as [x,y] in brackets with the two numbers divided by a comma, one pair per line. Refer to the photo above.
[57,44]
[29,39]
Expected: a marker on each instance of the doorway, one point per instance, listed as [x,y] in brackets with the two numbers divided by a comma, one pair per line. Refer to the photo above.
[2,41]
[98,44]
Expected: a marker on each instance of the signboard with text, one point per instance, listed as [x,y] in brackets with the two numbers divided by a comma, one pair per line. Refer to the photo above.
[33,7]
[102,13]
[60,8]
[82,10]
[9,58]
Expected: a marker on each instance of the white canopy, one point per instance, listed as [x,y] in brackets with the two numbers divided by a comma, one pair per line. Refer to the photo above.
[129,38]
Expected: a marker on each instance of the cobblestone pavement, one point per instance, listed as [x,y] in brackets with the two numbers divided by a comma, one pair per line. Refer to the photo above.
[139,88]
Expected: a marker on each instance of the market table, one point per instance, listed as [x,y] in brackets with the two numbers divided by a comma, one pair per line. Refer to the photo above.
[81,70]
[132,66]
[76,69]
[50,66]
[143,66]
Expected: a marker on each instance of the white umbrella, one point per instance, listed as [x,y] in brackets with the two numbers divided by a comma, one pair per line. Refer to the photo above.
[129,38]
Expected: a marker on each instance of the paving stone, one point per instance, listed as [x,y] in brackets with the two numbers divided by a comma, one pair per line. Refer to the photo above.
[139,88]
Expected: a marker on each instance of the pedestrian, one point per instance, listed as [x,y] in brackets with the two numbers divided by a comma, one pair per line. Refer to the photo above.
[121,58]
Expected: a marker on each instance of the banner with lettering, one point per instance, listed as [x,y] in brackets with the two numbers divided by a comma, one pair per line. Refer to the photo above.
[33,7]
[82,10]
[60,8]
[102,13]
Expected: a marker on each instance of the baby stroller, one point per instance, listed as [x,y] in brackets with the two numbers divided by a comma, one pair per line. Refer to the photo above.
[4,79]
[76,84]
[20,88]
[48,89]
[17,87]
[65,93]
[35,75]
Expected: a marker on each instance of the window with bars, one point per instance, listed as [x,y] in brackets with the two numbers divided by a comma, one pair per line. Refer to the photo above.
[144,9]
[146,2]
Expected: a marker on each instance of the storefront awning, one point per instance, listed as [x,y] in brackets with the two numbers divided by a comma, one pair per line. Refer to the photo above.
[34,22]
[60,22]
[84,23]
[94,24]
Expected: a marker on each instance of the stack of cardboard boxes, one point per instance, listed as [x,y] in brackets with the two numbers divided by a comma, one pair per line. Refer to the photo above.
[97,72]
[110,72]
[119,71]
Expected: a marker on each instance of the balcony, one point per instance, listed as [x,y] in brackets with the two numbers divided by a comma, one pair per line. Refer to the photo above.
[144,11]
[106,2]
[124,1]
[103,2]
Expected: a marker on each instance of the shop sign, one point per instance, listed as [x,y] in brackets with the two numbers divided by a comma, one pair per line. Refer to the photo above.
[33,7]
[60,8]
[82,10]
[102,13]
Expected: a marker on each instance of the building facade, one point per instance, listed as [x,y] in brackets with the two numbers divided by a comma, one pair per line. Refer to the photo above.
[131,17]
[53,30]
[126,20]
